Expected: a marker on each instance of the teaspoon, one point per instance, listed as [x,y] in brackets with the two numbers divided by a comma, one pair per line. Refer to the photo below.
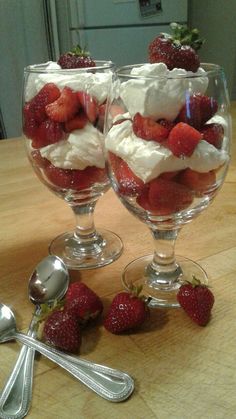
[48,282]
[108,383]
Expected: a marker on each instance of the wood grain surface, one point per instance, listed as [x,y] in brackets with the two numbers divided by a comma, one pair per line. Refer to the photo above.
[181,370]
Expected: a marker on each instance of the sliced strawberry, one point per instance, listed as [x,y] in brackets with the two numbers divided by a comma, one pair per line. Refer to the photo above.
[166,124]
[197,110]
[183,140]
[89,104]
[148,129]
[167,197]
[65,107]
[128,182]
[169,175]
[213,134]
[30,123]
[75,179]
[197,182]
[37,159]
[143,199]
[48,132]
[78,122]
[36,107]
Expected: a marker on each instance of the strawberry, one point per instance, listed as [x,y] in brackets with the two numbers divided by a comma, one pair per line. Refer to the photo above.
[166,197]
[48,132]
[37,159]
[65,107]
[36,107]
[82,302]
[89,105]
[197,110]
[197,301]
[62,331]
[198,182]
[148,129]
[75,179]
[213,134]
[183,140]
[178,50]
[78,122]
[128,182]
[127,311]
[77,58]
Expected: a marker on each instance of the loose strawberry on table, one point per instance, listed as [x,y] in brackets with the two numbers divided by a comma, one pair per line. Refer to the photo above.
[197,300]
[127,312]
[83,302]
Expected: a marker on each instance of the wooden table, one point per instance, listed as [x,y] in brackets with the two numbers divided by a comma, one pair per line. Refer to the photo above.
[181,370]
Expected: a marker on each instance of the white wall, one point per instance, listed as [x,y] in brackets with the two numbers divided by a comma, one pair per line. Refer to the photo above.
[216,20]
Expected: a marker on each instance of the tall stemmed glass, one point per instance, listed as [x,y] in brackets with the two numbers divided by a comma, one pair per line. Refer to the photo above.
[167,154]
[63,117]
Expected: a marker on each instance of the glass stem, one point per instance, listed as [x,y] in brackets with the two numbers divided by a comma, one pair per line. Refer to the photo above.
[85,233]
[164,270]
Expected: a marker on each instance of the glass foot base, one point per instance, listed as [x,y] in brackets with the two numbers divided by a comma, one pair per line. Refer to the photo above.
[160,289]
[106,250]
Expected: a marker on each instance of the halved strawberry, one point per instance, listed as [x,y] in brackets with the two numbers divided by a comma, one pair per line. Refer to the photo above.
[35,108]
[48,132]
[213,134]
[78,122]
[148,129]
[89,104]
[196,181]
[197,110]
[167,197]
[128,182]
[65,107]
[183,140]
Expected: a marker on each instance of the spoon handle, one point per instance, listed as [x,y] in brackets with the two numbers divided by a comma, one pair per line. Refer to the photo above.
[16,396]
[108,383]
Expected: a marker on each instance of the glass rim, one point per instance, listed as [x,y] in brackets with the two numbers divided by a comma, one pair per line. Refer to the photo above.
[43,68]
[210,69]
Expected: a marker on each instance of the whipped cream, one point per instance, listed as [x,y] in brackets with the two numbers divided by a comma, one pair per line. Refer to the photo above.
[96,84]
[160,93]
[82,148]
[148,159]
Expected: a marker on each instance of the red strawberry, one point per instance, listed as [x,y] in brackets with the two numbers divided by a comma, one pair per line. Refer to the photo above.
[78,122]
[63,178]
[62,331]
[126,312]
[177,51]
[183,140]
[148,129]
[166,197]
[197,110]
[65,107]
[83,302]
[37,159]
[197,301]
[128,182]
[89,104]
[196,181]
[36,107]
[213,134]
[77,58]
[48,132]
[30,124]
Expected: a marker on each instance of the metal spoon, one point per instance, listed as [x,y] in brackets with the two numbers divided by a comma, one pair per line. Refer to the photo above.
[48,282]
[108,383]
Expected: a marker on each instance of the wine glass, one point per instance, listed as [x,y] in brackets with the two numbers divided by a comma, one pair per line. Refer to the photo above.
[63,118]
[167,154]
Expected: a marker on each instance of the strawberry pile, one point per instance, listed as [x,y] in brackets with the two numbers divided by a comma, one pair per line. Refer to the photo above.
[62,328]
[49,117]
[175,191]
[178,50]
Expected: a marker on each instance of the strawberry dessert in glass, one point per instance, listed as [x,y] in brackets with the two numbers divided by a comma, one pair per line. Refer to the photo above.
[63,117]
[167,155]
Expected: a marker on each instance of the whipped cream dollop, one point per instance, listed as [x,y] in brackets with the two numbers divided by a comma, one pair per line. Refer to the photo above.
[158,92]
[148,159]
[96,84]
[82,148]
